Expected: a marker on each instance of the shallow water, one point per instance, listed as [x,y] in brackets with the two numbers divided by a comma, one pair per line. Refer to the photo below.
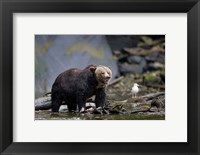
[48,115]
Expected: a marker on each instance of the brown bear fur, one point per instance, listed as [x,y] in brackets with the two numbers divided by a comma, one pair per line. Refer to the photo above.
[75,86]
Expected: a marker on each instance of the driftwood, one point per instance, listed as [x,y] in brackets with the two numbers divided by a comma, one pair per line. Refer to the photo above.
[43,103]
[119,109]
[139,111]
[156,102]
[142,98]
[115,81]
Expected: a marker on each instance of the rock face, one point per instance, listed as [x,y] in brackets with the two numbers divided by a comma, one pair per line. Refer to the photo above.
[126,68]
[57,53]
[118,42]
[147,55]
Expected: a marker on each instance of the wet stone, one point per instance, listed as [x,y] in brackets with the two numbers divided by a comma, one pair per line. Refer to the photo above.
[158,57]
[130,68]
[135,59]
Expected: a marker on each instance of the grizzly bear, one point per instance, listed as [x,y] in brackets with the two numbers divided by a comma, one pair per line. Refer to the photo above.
[75,86]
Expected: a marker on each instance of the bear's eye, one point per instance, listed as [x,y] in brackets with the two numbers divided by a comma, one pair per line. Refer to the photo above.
[102,73]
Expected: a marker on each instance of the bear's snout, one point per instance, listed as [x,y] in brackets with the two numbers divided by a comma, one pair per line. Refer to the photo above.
[107,78]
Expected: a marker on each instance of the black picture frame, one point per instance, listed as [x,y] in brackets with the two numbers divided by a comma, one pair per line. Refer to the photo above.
[8,7]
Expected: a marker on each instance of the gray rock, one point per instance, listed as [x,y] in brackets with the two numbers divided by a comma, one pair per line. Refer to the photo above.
[143,63]
[161,58]
[136,65]
[152,57]
[135,59]
[130,68]
[158,57]
[117,42]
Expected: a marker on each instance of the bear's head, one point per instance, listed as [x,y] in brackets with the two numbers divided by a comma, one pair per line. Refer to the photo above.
[103,74]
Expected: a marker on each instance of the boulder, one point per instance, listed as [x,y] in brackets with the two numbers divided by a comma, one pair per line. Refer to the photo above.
[57,53]
[126,68]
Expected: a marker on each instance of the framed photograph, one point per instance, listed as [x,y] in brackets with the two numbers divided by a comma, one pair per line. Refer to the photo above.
[128,69]
[99,77]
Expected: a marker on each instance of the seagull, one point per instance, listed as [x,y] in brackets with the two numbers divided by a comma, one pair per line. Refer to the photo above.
[134,89]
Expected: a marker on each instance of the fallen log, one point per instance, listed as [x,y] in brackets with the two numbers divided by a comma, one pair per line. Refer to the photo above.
[113,82]
[142,98]
[138,111]
[43,103]
[144,110]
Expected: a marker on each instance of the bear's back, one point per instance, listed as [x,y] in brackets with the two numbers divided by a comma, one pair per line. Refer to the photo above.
[68,76]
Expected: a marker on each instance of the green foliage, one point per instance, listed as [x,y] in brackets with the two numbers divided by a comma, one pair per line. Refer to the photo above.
[153,77]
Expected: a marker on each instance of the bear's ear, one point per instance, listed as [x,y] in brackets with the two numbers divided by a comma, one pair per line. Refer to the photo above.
[109,67]
[92,69]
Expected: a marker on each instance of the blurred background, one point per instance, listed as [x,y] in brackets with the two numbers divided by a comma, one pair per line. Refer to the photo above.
[138,58]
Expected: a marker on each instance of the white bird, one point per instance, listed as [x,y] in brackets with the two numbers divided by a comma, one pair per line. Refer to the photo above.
[134,89]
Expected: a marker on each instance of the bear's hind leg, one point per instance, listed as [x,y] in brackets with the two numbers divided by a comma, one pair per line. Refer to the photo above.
[81,100]
[56,103]
[71,108]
